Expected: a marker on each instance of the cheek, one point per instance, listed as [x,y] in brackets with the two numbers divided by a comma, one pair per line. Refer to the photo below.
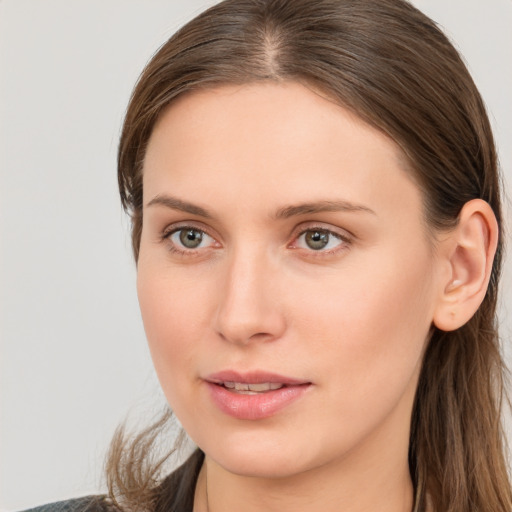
[174,316]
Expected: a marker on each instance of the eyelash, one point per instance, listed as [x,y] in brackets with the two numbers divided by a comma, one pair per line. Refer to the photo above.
[344,240]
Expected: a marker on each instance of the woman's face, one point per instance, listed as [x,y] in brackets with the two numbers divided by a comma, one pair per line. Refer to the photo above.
[286,280]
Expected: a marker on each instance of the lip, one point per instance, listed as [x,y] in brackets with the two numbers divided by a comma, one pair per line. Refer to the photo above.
[254,406]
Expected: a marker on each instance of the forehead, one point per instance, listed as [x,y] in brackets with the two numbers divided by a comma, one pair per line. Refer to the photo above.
[274,108]
[284,140]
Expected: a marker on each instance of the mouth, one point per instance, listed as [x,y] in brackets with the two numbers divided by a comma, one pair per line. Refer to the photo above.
[255,395]
[253,382]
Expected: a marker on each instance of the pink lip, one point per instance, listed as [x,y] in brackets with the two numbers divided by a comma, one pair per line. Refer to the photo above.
[257,406]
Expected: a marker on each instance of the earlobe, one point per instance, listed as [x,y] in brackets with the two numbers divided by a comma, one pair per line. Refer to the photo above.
[469,250]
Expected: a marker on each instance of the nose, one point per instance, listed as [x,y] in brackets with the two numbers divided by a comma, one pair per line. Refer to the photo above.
[250,308]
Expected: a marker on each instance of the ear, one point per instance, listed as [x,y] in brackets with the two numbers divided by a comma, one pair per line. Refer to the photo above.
[469,252]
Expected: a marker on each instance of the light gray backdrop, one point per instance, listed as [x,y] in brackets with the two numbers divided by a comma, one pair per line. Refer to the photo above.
[73,356]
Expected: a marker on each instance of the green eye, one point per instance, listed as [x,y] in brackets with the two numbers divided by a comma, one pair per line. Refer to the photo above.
[316,240]
[190,238]
[319,240]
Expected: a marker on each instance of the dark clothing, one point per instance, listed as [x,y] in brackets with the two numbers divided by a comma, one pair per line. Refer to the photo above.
[84,504]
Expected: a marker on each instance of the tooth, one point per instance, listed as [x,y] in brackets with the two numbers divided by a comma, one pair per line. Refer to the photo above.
[263,386]
[245,388]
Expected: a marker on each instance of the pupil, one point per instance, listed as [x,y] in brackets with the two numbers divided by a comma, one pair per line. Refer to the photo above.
[191,238]
[317,240]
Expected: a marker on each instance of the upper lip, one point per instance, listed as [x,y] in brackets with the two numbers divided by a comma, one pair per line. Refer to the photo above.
[253,377]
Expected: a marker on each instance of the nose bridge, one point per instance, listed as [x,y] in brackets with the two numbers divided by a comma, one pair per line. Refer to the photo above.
[248,309]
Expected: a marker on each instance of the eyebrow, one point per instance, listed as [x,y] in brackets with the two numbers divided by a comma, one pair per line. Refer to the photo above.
[282,213]
[320,206]
[178,204]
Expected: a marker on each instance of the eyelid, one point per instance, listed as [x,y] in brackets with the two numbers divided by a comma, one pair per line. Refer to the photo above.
[184,224]
[343,233]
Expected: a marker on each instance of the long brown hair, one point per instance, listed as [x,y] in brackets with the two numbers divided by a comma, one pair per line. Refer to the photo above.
[393,67]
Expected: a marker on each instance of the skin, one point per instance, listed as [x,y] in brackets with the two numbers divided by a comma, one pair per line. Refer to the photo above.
[353,319]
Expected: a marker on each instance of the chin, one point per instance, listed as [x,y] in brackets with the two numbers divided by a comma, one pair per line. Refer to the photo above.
[264,465]
[262,455]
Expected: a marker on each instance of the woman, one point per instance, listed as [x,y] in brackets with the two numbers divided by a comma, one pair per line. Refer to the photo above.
[315,204]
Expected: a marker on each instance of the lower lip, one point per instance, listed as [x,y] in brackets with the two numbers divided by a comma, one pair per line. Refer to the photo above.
[257,406]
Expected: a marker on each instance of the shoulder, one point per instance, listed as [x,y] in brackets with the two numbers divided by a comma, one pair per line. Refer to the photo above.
[84,504]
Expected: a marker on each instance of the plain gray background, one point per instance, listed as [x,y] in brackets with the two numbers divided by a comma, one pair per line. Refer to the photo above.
[73,355]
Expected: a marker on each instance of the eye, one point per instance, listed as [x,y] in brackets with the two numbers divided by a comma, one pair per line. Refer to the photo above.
[189,239]
[319,240]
